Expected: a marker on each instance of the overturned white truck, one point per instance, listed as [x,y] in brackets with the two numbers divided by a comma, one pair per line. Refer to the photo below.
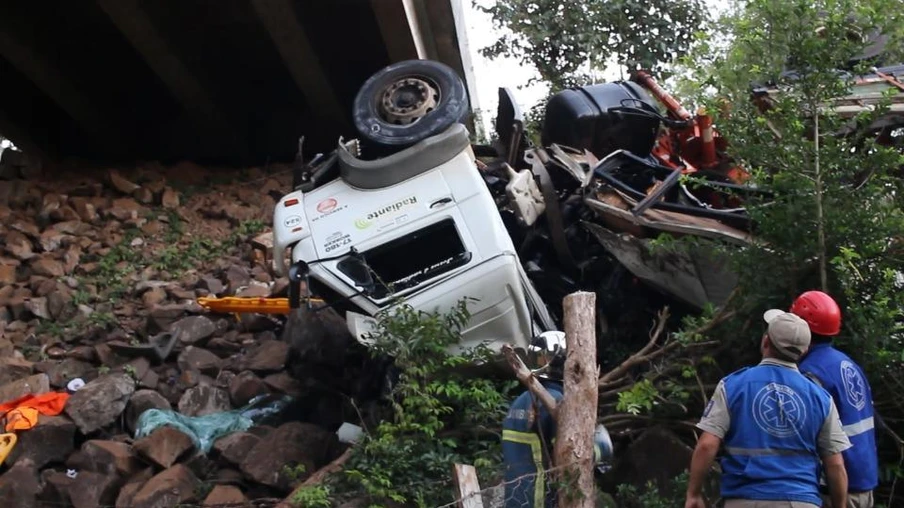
[418,224]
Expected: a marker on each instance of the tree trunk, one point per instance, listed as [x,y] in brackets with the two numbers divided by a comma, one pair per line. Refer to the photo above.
[820,219]
[577,411]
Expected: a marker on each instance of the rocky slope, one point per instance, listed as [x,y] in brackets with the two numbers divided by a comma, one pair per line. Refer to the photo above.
[96,265]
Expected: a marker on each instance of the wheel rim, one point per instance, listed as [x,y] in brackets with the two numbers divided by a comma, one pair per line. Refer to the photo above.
[407,100]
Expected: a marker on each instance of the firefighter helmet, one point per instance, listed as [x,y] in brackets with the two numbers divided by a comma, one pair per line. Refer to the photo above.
[820,311]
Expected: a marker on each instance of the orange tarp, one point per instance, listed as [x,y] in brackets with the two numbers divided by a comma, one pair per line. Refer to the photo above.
[22,413]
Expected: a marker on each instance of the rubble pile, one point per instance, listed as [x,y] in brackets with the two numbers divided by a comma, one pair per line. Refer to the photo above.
[99,276]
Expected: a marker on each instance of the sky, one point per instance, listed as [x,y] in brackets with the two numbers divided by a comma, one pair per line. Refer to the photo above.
[509,72]
[500,72]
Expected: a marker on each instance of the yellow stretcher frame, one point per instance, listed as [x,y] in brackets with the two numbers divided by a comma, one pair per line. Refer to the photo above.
[258,305]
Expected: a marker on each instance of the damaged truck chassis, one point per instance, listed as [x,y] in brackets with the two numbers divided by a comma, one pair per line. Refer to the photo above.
[413,212]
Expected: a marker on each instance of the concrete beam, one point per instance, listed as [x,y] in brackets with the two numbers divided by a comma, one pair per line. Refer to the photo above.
[281,22]
[397,31]
[138,28]
[440,29]
[53,83]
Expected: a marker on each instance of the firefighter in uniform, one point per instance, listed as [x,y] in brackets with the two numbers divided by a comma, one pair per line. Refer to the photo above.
[846,383]
[528,432]
[775,425]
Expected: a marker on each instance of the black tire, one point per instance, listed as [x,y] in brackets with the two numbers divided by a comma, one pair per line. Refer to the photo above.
[372,120]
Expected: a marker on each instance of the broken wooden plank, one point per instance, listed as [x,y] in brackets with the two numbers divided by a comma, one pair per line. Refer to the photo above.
[467,488]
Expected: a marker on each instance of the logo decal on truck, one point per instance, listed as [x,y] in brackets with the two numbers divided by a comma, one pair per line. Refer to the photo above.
[292,221]
[385,211]
[327,205]
[392,208]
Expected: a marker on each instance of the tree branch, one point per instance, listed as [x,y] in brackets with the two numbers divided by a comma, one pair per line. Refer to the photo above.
[528,379]
[642,355]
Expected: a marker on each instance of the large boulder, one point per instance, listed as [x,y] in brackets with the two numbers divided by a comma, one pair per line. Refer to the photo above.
[164,447]
[292,443]
[141,401]
[110,458]
[204,400]
[52,440]
[19,487]
[36,384]
[174,486]
[100,402]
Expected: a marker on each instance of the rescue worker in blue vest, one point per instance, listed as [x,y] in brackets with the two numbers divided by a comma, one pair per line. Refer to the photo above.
[846,383]
[776,426]
[528,432]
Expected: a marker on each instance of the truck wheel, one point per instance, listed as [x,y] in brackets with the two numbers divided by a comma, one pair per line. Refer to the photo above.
[409,101]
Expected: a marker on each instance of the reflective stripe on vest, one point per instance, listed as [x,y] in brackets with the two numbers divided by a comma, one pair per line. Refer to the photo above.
[532,440]
[763,452]
[860,427]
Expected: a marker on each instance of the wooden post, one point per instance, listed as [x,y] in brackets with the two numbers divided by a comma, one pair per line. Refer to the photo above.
[467,488]
[578,408]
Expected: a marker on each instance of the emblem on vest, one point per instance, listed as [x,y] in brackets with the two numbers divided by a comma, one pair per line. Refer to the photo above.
[854,387]
[779,410]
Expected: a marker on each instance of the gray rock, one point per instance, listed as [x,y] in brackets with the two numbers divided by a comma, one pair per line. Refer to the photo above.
[19,487]
[70,368]
[174,486]
[245,387]
[100,402]
[193,329]
[202,360]
[225,495]
[204,400]
[164,447]
[14,369]
[36,384]
[141,401]
[52,440]
[111,458]
[268,356]
[291,444]
[233,448]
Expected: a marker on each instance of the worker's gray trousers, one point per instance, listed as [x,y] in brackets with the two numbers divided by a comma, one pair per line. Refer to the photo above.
[858,500]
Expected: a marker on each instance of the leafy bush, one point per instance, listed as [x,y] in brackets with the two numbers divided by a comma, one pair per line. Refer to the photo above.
[441,416]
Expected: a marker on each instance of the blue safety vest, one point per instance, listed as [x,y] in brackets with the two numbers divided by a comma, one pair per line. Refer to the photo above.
[846,383]
[523,450]
[771,446]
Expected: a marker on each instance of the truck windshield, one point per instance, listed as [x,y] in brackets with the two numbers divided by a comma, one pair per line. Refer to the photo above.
[405,262]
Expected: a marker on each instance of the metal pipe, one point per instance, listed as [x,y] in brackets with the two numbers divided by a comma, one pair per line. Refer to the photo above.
[647,81]
[707,144]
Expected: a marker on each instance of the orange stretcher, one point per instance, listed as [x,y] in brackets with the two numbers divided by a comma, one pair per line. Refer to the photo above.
[237,305]
[7,442]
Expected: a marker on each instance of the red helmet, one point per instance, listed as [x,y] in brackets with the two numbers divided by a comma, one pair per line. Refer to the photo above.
[820,311]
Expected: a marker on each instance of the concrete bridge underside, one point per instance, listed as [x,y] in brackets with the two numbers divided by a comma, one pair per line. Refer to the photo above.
[218,81]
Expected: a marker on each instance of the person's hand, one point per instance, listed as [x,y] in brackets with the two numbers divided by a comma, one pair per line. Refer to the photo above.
[694,502]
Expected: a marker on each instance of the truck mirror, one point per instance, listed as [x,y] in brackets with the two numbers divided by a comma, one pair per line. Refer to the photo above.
[297,272]
[357,270]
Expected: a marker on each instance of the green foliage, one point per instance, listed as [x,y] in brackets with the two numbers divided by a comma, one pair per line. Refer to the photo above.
[834,220]
[293,472]
[440,414]
[641,397]
[650,496]
[567,40]
[315,496]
